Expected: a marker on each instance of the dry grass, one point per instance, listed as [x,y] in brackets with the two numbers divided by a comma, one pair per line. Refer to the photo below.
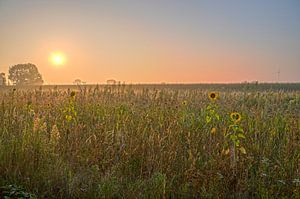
[116,142]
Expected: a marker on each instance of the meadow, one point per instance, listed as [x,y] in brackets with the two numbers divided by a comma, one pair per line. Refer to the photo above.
[151,142]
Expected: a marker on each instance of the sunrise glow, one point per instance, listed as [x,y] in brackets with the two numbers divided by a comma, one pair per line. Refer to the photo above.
[57,59]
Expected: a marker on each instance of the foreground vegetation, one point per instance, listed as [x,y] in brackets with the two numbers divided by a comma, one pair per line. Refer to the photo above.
[124,142]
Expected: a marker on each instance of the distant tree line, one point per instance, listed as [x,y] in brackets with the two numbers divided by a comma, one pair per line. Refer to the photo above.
[22,74]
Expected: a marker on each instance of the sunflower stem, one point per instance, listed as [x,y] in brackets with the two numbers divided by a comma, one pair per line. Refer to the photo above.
[233,157]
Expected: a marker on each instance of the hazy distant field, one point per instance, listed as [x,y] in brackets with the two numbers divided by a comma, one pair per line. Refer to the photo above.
[152,141]
[219,87]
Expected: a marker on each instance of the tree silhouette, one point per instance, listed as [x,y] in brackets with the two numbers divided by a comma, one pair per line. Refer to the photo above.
[78,82]
[25,74]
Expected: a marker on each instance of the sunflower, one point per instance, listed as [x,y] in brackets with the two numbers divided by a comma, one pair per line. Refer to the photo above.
[213,130]
[213,96]
[73,94]
[68,118]
[29,103]
[184,103]
[235,117]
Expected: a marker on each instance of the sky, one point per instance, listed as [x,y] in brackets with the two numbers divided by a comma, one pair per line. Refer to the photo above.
[154,41]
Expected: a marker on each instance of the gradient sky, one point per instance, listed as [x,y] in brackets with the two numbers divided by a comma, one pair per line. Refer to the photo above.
[153,41]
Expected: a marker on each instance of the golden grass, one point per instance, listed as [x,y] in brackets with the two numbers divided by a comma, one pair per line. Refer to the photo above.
[115,142]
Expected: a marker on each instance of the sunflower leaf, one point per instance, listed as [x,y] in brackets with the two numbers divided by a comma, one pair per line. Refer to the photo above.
[243,150]
[241,135]
[208,119]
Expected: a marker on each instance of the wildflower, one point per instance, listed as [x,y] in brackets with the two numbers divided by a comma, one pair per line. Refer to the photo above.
[235,117]
[213,96]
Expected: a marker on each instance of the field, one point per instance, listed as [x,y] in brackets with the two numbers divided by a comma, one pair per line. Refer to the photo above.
[159,141]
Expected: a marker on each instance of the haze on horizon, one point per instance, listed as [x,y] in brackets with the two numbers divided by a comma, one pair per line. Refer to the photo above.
[153,41]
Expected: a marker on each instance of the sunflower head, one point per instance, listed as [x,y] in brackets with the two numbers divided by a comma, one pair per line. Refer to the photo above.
[29,103]
[235,117]
[213,130]
[73,94]
[184,103]
[213,96]
[68,118]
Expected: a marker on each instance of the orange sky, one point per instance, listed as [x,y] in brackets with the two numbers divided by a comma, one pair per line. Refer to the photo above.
[152,42]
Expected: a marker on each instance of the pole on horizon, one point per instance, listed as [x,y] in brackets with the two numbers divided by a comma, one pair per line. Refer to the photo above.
[278,75]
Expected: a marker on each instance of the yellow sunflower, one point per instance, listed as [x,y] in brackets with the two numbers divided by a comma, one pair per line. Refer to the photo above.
[213,130]
[235,117]
[184,103]
[73,94]
[213,96]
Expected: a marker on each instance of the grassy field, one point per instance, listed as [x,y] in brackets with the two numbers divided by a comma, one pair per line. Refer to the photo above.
[151,141]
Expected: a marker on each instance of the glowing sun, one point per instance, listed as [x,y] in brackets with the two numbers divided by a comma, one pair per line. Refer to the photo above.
[57,58]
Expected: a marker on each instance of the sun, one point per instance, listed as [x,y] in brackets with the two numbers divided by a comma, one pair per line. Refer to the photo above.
[57,58]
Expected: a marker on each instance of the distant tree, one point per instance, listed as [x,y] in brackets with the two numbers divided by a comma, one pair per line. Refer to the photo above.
[78,82]
[25,74]
[2,79]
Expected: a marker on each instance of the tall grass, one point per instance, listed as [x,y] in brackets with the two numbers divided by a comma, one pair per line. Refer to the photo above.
[121,142]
